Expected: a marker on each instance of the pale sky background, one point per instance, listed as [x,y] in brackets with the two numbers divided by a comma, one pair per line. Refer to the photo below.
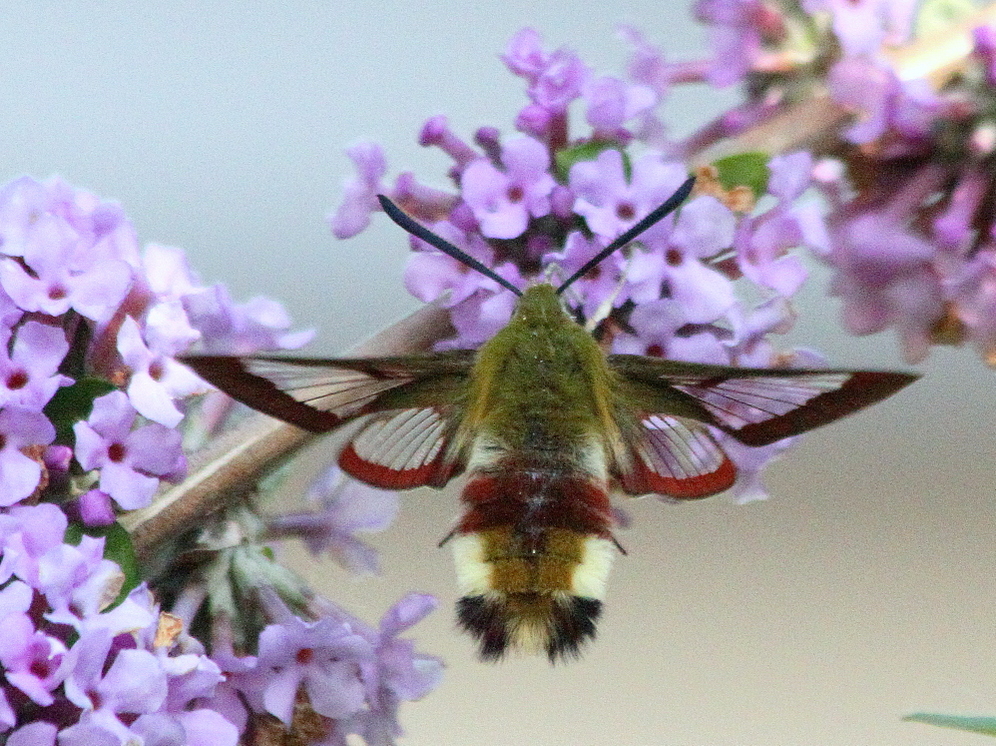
[863,590]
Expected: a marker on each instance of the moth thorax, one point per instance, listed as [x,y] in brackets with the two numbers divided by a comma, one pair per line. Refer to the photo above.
[534,593]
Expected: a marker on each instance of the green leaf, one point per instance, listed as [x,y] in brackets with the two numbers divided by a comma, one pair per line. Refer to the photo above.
[72,404]
[744,169]
[984,724]
[586,151]
[118,548]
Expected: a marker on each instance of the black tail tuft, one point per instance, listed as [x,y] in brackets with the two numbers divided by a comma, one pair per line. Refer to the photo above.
[558,624]
[572,625]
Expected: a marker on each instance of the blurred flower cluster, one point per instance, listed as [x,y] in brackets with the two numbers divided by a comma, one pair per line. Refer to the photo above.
[910,192]
[91,399]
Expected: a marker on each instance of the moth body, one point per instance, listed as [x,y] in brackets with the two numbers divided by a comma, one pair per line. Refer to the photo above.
[534,546]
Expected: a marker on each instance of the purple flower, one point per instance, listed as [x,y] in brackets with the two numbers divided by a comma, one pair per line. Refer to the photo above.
[479,317]
[191,681]
[554,80]
[156,377]
[324,657]
[436,131]
[762,242]
[38,733]
[656,326]
[360,199]
[28,375]
[348,507]
[26,533]
[15,597]
[200,727]
[612,103]
[95,508]
[431,275]
[406,675]
[884,103]
[975,296]
[20,474]
[503,201]
[738,31]
[130,461]
[133,684]
[167,272]
[751,462]
[228,698]
[608,202]
[31,659]
[559,82]
[396,674]
[63,274]
[885,277]
[863,27]
[240,328]
[78,582]
[703,229]
[525,55]
[985,50]
[22,204]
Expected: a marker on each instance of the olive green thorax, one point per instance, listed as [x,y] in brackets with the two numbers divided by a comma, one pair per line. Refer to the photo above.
[541,385]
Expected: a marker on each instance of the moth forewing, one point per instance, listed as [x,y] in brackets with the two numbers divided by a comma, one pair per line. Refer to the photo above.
[320,394]
[757,406]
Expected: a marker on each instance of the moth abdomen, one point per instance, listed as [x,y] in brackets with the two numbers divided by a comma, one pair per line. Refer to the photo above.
[533,553]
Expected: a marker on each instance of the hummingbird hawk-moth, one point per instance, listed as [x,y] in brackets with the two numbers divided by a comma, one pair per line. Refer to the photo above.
[546,426]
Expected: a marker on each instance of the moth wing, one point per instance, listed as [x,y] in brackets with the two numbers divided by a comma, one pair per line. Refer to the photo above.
[414,404]
[673,456]
[757,406]
[405,448]
[319,395]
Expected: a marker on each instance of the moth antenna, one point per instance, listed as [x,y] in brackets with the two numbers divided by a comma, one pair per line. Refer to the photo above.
[654,216]
[396,214]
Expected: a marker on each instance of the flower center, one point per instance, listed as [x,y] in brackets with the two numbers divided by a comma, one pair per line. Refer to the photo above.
[57,292]
[156,370]
[116,452]
[304,656]
[625,211]
[674,257]
[655,350]
[39,668]
[17,379]
[515,193]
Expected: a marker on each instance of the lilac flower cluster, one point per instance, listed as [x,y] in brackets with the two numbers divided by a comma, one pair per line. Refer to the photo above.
[80,669]
[708,284]
[91,396]
[915,247]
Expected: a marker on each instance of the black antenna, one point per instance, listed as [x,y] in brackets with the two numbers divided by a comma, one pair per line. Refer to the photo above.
[420,231]
[653,217]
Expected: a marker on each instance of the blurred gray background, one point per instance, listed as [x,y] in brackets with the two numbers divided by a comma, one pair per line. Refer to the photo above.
[861,591]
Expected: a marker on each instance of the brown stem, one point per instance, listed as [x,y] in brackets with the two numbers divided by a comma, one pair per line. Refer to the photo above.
[233,463]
